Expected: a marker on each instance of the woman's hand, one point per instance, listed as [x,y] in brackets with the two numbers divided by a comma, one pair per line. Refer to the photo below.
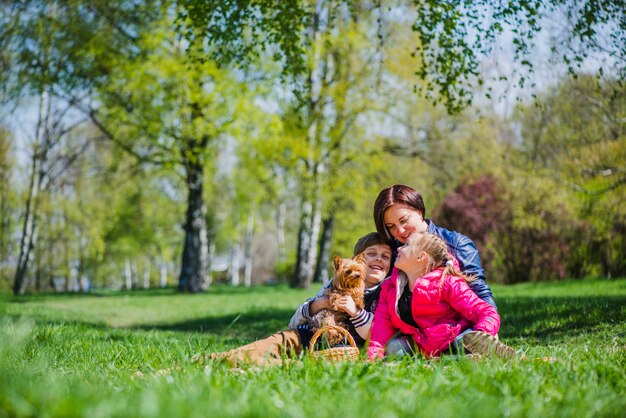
[346,304]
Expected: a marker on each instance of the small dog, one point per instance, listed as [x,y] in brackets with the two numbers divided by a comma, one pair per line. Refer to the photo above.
[348,280]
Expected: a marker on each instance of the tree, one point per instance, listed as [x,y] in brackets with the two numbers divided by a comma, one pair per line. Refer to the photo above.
[56,53]
[169,111]
[328,142]
[302,151]
[258,184]
[573,135]
[454,36]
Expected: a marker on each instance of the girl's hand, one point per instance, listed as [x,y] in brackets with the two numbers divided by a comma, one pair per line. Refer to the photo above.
[346,304]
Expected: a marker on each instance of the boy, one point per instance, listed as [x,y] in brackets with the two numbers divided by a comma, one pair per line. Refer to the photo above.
[273,349]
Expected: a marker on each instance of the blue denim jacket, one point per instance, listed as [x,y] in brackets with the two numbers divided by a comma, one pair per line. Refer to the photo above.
[464,250]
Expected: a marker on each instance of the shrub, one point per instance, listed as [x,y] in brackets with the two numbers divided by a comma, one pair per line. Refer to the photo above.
[521,233]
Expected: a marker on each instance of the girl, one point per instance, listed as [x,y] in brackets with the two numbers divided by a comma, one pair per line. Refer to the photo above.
[428,299]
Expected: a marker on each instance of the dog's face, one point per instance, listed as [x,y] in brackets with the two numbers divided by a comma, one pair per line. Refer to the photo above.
[349,272]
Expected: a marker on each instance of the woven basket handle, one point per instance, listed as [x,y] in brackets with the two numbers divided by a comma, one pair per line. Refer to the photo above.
[322,330]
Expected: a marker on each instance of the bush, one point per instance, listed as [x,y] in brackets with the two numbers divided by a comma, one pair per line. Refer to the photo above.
[522,233]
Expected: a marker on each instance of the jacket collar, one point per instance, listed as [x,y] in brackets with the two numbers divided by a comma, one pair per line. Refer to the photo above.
[402,279]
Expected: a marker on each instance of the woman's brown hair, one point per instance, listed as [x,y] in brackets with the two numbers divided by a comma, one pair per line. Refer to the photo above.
[396,194]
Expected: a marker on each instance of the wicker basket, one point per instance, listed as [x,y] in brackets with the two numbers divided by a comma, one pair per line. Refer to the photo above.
[334,354]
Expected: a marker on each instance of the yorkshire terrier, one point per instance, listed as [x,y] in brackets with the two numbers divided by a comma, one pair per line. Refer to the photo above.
[348,280]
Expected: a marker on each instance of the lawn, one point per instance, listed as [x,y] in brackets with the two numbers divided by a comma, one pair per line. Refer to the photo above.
[126,355]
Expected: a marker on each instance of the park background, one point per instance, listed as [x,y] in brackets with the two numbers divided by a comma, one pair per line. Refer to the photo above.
[131,159]
[150,149]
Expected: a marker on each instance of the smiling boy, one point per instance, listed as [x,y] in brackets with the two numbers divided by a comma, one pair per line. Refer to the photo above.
[378,259]
[273,349]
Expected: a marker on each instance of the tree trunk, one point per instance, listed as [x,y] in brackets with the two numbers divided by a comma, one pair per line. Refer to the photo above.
[307,245]
[146,273]
[38,274]
[195,257]
[163,273]
[299,278]
[247,271]
[69,277]
[321,269]
[28,240]
[5,209]
[234,265]
[68,264]
[135,274]
[280,238]
[128,275]
[211,243]
[83,279]
[210,264]
[310,207]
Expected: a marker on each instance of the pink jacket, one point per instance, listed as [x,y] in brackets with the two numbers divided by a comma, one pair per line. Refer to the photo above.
[441,310]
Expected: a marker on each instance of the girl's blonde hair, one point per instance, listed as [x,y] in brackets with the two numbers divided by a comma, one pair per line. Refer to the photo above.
[438,253]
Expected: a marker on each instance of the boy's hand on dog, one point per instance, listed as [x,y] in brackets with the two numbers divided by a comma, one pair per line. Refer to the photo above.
[318,304]
[346,304]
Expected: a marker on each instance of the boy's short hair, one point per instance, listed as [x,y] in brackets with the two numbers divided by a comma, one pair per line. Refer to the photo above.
[373,238]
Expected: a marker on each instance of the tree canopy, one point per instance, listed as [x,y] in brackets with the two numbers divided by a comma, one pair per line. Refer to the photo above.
[454,36]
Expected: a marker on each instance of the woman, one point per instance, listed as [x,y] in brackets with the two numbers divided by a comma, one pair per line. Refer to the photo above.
[428,300]
[399,212]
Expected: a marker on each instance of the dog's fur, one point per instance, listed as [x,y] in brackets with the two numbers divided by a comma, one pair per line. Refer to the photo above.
[348,280]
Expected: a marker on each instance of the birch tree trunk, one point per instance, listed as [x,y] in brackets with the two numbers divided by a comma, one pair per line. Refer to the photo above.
[5,209]
[321,269]
[307,244]
[247,270]
[310,206]
[163,274]
[234,265]
[304,244]
[128,275]
[146,273]
[211,243]
[28,239]
[280,238]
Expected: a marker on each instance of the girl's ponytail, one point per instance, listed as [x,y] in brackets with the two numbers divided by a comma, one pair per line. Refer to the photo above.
[438,253]
[449,269]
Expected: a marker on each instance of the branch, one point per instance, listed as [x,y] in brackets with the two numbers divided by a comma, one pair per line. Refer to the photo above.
[129,149]
[69,160]
[581,189]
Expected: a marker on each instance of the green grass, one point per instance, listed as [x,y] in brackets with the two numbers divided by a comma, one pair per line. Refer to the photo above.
[127,355]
